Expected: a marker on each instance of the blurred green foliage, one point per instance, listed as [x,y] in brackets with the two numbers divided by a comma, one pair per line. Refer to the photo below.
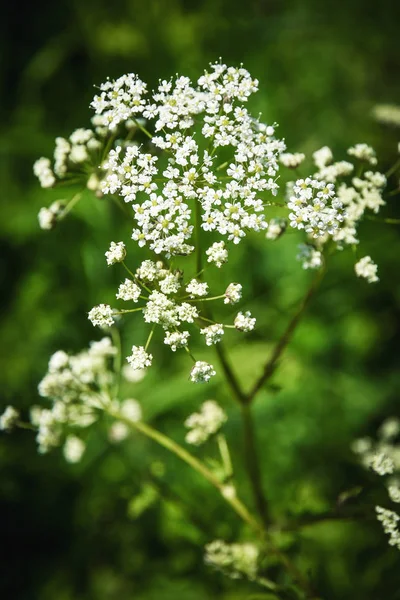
[100,530]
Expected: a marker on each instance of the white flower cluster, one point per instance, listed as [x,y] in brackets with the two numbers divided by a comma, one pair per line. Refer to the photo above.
[163,292]
[202,372]
[292,161]
[309,256]
[47,217]
[165,192]
[314,207]
[82,147]
[204,424]
[213,333]
[116,253]
[276,227]
[390,523]
[363,152]
[102,315]
[217,254]
[383,457]
[388,114]
[234,560]
[128,290]
[233,293]
[367,269]
[139,359]
[244,321]
[9,418]
[78,386]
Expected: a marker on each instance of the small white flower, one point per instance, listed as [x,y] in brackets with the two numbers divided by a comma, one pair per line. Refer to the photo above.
[245,322]
[128,291]
[74,448]
[382,464]
[213,333]
[116,253]
[59,360]
[363,152]
[275,229]
[217,254]
[197,289]
[390,523]
[176,339]
[322,157]
[201,372]
[139,359]
[292,161]
[131,410]
[233,293]
[118,432]
[9,418]
[42,170]
[101,315]
[309,256]
[366,268]
[204,423]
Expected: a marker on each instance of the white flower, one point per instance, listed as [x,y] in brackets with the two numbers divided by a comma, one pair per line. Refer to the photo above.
[390,523]
[363,152]
[217,254]
[390,428]
[235,560]
[201,372]
[170,284]
[59,360]
[314,207]
[292,161]
[196,288]
[382,464]
[101,315]
[131,410]
[275,229]
[139,359]
[176,339]
[133,375]
[118,432]
[213,333]
[245,322]
[74,448]
[128,291]
[9,418]
[309,256]
[394,491]
[116,253]
[204,423]
[47,217]
[42,170]
[322,157]
[366,268]
[388,114]
[233,293]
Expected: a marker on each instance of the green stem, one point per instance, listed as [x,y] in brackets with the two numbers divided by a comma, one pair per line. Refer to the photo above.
[388,220]
[74,200]
[225,455]
[271,364]
[197,465]
[253,463]
[393,169]
[143,129]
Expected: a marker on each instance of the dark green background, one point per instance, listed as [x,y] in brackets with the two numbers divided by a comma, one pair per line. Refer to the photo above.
[73,533]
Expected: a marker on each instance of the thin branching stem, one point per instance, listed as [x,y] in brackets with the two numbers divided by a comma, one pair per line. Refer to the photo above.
[272,362]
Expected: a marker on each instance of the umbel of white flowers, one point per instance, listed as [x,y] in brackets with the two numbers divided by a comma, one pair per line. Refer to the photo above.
[383,457]
[189,156]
